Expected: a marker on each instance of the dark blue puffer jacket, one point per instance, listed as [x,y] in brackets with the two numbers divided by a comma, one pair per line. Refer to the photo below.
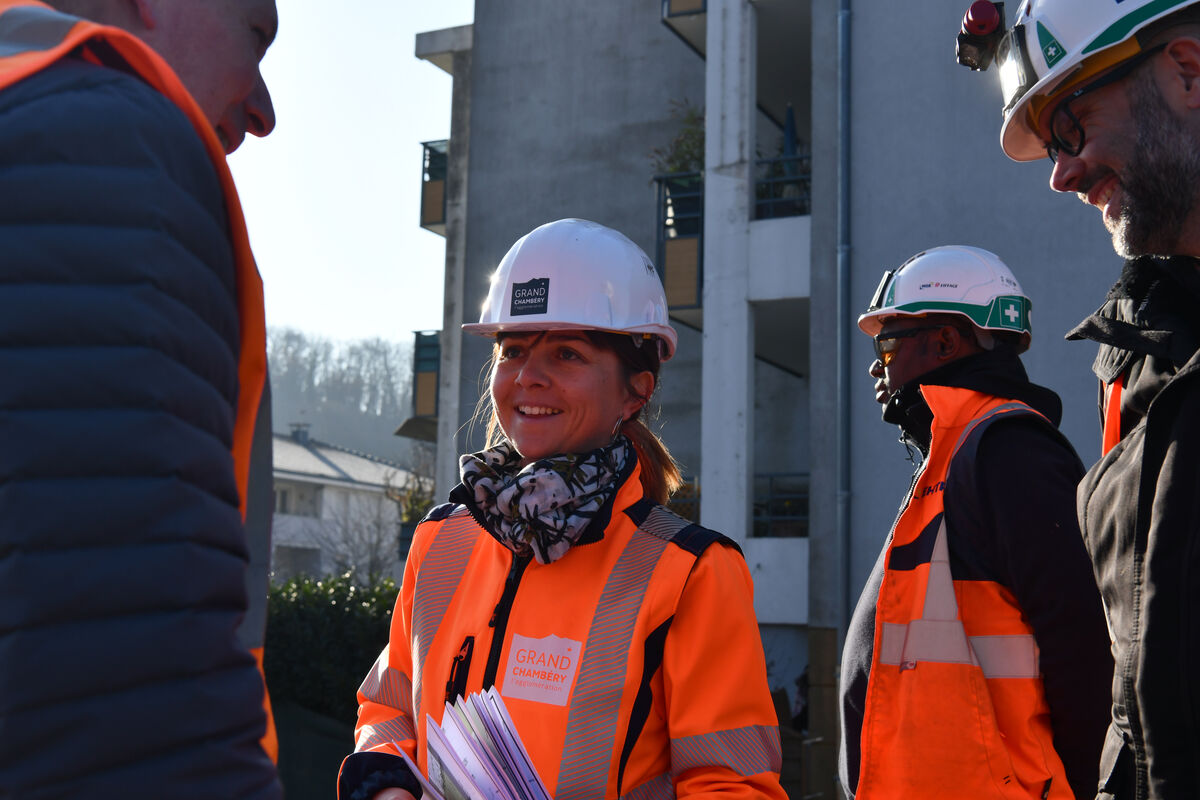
[122,550]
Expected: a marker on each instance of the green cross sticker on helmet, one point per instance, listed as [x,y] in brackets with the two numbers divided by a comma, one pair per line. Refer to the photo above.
[1051,49]
[1012,313]
[954,279]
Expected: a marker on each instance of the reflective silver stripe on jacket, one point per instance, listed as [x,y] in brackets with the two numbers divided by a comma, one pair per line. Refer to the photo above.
[440,574]
[747,751]
[1003,408]
[396,729]
[28,28]
[591,724]
[390,687]
[939,637]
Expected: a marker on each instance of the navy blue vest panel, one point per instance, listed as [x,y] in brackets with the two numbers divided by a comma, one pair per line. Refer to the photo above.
[122,550]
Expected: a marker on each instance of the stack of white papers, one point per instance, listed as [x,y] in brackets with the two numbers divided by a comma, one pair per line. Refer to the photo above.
[476,754]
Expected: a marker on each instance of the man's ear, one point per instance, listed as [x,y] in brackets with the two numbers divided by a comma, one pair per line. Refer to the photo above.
[951,343]
[1183,85]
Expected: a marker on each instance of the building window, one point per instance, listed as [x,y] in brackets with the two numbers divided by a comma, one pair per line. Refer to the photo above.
[299,499]
[288,561]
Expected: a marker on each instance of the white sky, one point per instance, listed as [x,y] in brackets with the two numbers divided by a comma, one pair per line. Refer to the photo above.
[332,197]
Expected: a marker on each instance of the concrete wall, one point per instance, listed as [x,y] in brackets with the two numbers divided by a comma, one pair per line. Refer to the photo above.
[567,102]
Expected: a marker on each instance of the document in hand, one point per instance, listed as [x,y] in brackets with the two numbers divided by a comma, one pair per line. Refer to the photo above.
[476,754]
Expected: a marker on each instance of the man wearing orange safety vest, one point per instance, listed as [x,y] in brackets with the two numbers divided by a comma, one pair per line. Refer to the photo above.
[976,664]
[135,495]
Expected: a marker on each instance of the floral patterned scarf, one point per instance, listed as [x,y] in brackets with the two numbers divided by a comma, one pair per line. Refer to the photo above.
[544,507]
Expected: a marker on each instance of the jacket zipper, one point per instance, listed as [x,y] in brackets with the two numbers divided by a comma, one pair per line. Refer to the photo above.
[460,667]
[499,620]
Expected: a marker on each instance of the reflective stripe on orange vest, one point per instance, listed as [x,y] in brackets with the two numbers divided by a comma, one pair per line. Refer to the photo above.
[445,563]
[955,705]
[746,751]
[939,634]
[591,726]
[33,36]
[390,687]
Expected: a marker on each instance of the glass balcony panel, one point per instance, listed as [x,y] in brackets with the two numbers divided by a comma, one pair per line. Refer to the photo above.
[433,186]
[426,367]
[680,240]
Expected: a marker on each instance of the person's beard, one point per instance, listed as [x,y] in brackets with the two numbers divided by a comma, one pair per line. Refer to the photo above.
[1161,179]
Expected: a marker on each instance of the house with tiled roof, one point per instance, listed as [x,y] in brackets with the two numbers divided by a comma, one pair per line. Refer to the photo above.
[335,509]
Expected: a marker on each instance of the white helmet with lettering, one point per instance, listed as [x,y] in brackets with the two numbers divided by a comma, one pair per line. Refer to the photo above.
[572,274]
[954,279]
[1055,46]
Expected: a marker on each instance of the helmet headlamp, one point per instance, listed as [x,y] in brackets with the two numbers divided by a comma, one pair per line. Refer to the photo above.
[1017,74]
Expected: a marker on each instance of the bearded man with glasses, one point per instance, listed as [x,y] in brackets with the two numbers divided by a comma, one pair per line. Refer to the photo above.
[1110,91]
[976,663]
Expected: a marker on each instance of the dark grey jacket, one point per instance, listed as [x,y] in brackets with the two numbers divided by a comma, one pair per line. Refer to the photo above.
[1139,510]
[123,557]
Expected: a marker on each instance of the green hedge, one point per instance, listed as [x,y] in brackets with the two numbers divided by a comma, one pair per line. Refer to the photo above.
[322,638]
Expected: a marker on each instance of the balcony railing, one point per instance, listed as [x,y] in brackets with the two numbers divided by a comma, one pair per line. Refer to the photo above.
[783,186]
[680,244]
[780,504]
[686,500]
[433,186]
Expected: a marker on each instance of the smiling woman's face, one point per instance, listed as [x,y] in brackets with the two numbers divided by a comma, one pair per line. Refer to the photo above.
[558,392]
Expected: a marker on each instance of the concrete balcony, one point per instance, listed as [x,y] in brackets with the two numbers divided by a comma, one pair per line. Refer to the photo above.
[782,64]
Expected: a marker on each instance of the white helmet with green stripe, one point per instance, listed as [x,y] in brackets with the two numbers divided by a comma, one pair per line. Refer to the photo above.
[954,279]
[1053,47]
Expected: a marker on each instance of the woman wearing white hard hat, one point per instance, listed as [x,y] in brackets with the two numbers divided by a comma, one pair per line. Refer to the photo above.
[621,637]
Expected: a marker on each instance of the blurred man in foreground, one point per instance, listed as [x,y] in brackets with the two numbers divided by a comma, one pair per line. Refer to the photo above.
[135,461]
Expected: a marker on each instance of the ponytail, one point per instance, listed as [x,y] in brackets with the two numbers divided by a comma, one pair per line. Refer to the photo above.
[660,473]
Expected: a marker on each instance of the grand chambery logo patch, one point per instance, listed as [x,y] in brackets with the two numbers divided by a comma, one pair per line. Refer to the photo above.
[531,297]
[541,670]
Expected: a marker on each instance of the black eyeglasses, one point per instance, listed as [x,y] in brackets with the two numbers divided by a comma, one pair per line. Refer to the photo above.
[886,344]
[1066,131]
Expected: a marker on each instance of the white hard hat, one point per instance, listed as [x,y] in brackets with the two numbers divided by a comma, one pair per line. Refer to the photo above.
[577,275]
[1055,45]
[954,279]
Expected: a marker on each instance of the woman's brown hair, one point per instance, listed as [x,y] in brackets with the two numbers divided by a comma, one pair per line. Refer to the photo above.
[660,474]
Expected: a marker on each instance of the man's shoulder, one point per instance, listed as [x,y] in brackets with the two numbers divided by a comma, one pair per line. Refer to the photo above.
[1015,452]
[76,131]
[99,104]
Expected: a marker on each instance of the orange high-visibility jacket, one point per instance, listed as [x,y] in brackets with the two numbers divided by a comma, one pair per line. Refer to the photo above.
[36,37]
[955,705]
[632,666]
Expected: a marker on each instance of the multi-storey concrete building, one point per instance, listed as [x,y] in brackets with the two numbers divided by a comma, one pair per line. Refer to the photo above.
[839,139]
